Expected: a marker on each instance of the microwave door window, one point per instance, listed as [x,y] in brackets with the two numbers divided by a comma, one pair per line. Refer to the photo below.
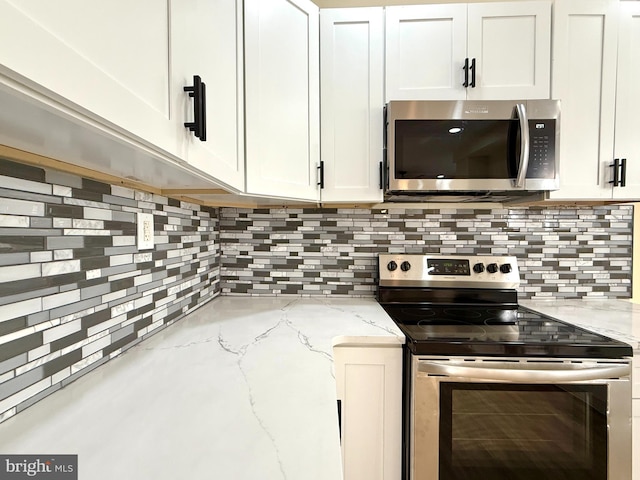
[450,149]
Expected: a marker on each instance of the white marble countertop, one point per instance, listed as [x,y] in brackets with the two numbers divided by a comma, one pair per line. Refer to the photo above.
[243,388]
[617,319]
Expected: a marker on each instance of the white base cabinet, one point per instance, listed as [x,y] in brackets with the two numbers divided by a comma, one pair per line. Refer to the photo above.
[369,387]
[352,93]
[636,439]
[635,409]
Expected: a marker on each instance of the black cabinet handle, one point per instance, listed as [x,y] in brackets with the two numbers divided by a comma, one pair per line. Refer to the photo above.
[466,73]
[340,419]
[616,172]
[203,112]
[321,174]
[199,124]
[623,172]
[381,175]
[385,171]
[473,73]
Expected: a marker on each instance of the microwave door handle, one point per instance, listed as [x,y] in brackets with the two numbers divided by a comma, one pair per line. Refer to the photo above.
[524,146]
[528,375]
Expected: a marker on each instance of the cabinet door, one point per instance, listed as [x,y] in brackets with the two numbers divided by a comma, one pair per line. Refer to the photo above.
[628,100]
[351,93]
[584,66]
[635,440]
[425,51]
[108,60]
[511,44]
[282,98]
[206,40]
[369,385]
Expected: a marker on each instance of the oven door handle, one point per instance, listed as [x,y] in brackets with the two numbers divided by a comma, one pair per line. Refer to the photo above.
[529,375]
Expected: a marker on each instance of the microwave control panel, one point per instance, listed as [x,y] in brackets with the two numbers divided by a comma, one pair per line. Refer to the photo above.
[542,148]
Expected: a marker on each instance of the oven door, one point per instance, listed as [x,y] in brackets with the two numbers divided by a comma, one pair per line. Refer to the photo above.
[520,419]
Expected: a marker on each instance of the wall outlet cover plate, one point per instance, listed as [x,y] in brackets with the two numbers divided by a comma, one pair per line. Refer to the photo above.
[145,231]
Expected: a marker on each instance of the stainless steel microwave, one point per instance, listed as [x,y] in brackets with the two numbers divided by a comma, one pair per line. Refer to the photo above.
[472,147]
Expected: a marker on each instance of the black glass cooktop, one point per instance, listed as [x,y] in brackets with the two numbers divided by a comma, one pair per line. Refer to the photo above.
[497,331]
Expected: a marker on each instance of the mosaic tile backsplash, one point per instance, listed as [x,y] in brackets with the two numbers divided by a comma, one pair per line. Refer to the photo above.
[75,290]
[562,252]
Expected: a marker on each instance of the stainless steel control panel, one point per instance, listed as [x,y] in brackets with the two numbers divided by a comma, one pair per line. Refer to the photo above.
[464,271]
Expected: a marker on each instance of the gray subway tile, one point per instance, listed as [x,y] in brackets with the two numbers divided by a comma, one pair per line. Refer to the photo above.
[20,382]
[13,362]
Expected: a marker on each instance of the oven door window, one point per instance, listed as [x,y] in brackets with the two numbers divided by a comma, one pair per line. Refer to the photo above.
[519,432]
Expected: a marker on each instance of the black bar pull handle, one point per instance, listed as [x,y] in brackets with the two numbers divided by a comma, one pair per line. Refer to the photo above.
[340,419]
[473,73]
[381,175]
[203,113]
[466,73]
[623,172]
[199,124]
[616,172]
[385,172]
[321,174]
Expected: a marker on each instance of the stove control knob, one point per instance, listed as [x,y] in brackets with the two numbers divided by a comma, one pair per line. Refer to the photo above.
[492,268]
[405,266]
[478,267]
[505,268]
[391,266]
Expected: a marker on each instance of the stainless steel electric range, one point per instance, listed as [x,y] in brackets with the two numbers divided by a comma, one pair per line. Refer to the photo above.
[492,389]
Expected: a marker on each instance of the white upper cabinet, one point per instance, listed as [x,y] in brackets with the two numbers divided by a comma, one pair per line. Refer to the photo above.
[426,46]
[511,45]
[282,98]
[352,93]
[206,40]
[584,76]
[595,75]
[483,51]
[627,126]
[108,60]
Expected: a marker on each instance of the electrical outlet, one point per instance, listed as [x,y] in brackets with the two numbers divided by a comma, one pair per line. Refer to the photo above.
[145,231]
